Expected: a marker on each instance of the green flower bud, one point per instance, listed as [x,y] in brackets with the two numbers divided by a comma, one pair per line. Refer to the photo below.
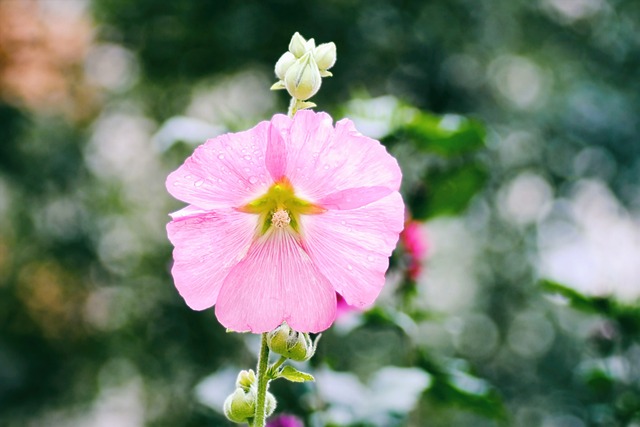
[325,55]
[297,45]
[240,406]
[309,45]
[303,79]
[283,64]
[291,344]
[246,379]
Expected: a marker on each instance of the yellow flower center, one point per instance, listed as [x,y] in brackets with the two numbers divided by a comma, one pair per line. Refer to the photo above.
[280,219]
[280,207]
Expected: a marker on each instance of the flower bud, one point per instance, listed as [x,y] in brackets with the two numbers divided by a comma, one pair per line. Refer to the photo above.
[283,64]
[297,45]
[325,55]
[291,344]
[303,79]
[240,406]
[246,379]
[270,404]
[310,45]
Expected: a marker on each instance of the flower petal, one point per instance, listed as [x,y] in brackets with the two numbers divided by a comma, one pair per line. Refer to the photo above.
[276,282]
[276,158]
[352,247]
[322,160]
[207,246]
[354,197]
[224,172]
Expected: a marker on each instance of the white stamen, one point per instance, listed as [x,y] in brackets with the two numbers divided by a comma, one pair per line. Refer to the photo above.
[280,218]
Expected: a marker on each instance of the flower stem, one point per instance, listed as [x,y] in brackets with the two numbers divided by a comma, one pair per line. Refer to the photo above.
[263,381]
[279,363]
[292,107]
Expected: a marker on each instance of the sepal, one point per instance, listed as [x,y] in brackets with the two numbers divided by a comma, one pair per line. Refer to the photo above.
[292,374]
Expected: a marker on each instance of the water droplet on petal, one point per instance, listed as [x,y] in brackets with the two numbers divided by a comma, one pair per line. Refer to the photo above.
[221,156]
[247,157]
[198,183]
[349,267]
[253,179]
[326,167]
[342,222]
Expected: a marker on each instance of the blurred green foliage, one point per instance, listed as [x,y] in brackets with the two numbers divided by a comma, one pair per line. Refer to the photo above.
[492,95]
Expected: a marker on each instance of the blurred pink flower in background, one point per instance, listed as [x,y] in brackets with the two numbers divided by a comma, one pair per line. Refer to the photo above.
[415,247]
[285,420]
[280,218]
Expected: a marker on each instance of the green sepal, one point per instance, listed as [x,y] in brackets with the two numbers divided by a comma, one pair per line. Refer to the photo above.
[292,374]
[303,105]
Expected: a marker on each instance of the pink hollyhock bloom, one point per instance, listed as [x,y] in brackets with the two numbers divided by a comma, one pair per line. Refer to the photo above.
[415,247]
[285,421]
[280,218]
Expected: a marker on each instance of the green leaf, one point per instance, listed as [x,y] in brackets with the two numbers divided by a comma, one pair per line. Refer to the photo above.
[484,400]
[292,374]
[576,299]
[449,135]
[626,316]
[446,192]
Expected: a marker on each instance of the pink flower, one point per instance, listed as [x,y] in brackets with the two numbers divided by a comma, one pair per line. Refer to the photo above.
[280,218]
[415,247]
[285,421]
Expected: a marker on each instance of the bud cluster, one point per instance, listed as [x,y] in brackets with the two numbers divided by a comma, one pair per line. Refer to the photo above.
[240,406]
[301,68]
[291,344]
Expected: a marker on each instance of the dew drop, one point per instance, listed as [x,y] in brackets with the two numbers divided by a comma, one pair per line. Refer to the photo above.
[247,157]
[253,179]
[342,222]
[221,156]
[349,267]
[198,183]
[326,167]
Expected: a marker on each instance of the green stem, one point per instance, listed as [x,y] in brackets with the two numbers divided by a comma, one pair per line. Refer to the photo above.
[279,363]
[263,381]
[292,107]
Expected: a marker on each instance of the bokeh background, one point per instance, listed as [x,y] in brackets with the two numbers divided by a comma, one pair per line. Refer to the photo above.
[514,301]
